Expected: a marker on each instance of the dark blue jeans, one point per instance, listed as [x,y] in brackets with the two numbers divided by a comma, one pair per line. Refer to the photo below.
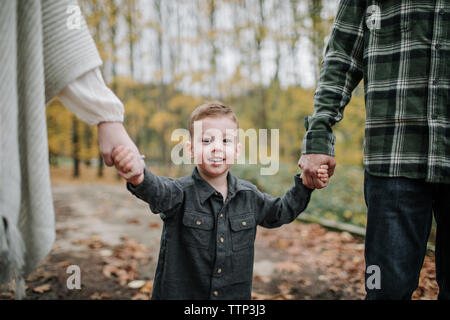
[398,225]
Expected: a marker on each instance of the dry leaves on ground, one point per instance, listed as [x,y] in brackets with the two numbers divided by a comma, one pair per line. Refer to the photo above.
[321,264]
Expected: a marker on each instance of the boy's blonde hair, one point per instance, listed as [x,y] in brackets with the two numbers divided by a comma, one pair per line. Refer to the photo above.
[211,109]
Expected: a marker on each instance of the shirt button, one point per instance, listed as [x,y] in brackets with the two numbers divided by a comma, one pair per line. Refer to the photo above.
[198,222]
[216,293]
[221,215]
[244,223]
[222,239]
[437,46]
[219,270]
[434,116]
[441,12]
[435,82]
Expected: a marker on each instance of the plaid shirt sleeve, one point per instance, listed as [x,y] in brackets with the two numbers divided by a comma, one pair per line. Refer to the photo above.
[342,70]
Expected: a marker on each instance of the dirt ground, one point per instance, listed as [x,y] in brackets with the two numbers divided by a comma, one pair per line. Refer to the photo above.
[114,240]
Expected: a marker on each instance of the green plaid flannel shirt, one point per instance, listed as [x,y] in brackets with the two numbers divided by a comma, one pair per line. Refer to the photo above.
[401,49]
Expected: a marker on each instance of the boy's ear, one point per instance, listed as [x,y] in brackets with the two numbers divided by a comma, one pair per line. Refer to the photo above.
[238,150]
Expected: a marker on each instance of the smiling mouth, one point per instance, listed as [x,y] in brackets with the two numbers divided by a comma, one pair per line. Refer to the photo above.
[217,160]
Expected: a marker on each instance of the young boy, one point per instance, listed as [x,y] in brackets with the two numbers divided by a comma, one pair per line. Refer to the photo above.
[210,217]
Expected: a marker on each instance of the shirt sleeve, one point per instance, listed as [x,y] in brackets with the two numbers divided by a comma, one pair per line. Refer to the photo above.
[276,211]
[161,193]
[342,70]
[91,100]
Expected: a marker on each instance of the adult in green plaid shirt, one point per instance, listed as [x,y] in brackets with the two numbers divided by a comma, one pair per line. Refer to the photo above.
[401,49]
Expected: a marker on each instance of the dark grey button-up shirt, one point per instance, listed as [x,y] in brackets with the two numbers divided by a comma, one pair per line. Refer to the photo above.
[207,243]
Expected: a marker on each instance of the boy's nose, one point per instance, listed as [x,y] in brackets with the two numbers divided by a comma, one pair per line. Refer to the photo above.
[218,145]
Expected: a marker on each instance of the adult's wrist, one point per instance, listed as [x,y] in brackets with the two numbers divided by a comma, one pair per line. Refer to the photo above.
[318,142]
[113,122]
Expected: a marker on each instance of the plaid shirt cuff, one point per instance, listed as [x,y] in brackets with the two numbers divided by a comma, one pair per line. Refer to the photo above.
[318,141]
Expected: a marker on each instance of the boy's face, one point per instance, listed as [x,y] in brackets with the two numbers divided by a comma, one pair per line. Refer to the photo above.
[214,145]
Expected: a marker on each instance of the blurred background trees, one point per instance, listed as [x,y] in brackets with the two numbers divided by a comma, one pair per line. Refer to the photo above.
[263,57]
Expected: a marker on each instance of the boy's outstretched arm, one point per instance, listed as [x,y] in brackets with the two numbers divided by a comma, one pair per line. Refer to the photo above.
[276,211]
[161,193]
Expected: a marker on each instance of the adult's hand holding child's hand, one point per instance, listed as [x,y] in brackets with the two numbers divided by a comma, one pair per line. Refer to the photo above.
[129,164]
[322,175]
[110,136]
[310,165]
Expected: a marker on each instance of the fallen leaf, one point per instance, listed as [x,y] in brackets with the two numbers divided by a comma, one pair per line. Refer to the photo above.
[97,296]
[109,270]
[285,288]
[43,288]
[64,264]
[345,236]
[323,277]
[260,296]
[133,221]
[6,295]
[287,266]
[154,225]
[106,253]
[148,287]
[140,296]
[263,279]
[136,284]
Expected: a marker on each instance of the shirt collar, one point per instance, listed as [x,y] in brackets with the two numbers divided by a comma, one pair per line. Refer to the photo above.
[205,190]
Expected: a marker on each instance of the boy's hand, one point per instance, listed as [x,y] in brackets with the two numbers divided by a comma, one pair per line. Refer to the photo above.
[129,164]
[322,173]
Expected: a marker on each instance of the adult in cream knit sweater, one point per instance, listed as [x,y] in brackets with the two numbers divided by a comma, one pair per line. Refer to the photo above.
[40,58]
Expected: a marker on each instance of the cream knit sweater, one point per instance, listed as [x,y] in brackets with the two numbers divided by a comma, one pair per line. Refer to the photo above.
[39,56]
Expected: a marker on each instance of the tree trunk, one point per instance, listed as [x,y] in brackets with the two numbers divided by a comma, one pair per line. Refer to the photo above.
[76,148]
[100,166]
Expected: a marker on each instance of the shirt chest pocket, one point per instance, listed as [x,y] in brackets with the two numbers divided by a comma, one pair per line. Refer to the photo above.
[197,230]
[387,20]
[243,231]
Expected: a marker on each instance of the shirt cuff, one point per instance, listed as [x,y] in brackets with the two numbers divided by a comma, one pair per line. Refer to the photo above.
[141,188]
[91,100]
[318,141]
[298,183]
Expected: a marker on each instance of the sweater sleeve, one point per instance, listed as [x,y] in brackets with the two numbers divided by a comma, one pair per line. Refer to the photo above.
[91,100]
[69,50]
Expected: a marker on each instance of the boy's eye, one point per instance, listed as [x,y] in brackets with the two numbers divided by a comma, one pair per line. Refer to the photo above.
[227,140]
[206,140]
